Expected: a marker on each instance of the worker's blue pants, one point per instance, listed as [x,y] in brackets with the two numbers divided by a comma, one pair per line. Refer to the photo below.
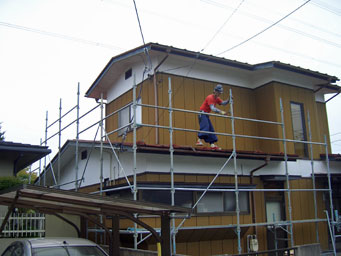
[206,125]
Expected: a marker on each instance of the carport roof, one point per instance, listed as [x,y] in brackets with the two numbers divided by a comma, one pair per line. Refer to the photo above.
[71,202]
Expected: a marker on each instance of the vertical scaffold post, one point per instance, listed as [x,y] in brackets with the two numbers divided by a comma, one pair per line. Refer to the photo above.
[329,187]
[41,142]
[46,121]
[59,139]
[134,157]
[171,151]
[235,173]
[313,177]
[77,139]
[101,148]
[286,173]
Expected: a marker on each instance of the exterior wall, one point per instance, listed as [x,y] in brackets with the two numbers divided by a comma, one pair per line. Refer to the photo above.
[187,94]
[56,227]
[317,113]
[160,163]
[261,103]
[302,209]
[154,168]
[6,168]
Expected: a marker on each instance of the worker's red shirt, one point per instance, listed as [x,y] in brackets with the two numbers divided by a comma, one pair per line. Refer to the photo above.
[209,101]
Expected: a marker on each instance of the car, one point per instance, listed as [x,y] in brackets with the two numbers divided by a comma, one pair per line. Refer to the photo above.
[54,247]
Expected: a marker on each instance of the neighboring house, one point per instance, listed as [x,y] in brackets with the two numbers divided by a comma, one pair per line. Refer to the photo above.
[16,156]
[282,184]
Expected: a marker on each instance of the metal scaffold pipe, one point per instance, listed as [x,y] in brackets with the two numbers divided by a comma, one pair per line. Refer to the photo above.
[77,140]
[44,169]
[313,177]
[235,172]
[287,173]
[101,148]
[171,151]
[59,139]
[134,156]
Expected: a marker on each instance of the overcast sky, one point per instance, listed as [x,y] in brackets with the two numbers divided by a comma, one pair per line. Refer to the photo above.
[48,46]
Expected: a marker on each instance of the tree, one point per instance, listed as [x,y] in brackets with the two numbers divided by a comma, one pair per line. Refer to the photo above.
[26,177]
[2,134]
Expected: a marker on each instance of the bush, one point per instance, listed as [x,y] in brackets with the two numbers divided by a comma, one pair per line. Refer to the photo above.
[8,182]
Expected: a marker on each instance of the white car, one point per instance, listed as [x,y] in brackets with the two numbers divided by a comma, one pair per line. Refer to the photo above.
[53,247]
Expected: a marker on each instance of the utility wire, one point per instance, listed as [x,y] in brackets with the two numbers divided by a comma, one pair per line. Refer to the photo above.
[138,20]
[327,7]
[243,42]
[61,36]
[218,31]
[144,43]
[196,59]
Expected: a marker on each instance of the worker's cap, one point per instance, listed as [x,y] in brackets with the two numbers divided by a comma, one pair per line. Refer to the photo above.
[218,88]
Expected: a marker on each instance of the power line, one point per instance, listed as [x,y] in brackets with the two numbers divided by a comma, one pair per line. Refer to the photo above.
[144,43]
[303,33]
[336,134]
[267,28]
[138,20]
[327,7]
[61,36]
[227,20]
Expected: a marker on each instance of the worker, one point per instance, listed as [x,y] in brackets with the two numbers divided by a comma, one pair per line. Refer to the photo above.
[207,106]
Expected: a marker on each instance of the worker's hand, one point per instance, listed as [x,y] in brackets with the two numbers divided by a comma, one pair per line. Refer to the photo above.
[222,112]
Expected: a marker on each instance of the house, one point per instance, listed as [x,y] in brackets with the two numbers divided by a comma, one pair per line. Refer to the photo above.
[267,188]
[15,157]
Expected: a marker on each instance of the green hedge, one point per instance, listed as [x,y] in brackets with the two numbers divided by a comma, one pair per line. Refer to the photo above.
[7,182]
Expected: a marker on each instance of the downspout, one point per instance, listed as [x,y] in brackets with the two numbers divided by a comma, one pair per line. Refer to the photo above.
[253,203]
[156,100]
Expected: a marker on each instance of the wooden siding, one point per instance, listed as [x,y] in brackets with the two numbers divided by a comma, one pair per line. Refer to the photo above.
[317,115]
[302,203]
[261,103]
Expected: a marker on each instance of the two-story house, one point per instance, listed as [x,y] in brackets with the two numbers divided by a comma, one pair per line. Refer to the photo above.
[269,184]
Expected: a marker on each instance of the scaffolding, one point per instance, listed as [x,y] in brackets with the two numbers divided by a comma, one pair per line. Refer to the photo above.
[104,135]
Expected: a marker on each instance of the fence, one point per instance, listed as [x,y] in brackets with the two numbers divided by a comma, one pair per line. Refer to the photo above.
[24,225]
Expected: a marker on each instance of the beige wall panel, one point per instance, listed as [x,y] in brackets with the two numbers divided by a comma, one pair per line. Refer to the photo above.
[181,248]
[164,114]
[205,248]
[266,110]
[193,249]
[178,101]
[191,120]
[152,177]
[217,247]
[324,129]
[202,221]
[215,220]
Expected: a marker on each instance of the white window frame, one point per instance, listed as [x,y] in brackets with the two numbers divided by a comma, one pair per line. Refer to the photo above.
[126,112]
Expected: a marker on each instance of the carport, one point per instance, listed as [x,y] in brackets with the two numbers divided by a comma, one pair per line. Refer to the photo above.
[87,206]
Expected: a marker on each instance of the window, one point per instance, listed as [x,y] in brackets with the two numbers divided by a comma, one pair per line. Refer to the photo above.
[125,117]
[182,198]
[128,74]
[298,126]
[212,201]
[84,154]
[223,202]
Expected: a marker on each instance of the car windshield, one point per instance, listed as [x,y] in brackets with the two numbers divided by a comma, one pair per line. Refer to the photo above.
[68,251]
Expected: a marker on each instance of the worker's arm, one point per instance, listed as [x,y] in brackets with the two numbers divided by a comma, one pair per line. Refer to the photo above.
[214,109]
[225,102]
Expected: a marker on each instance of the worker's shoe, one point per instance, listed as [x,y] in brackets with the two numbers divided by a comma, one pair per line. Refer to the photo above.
[215,147]
[199,143]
